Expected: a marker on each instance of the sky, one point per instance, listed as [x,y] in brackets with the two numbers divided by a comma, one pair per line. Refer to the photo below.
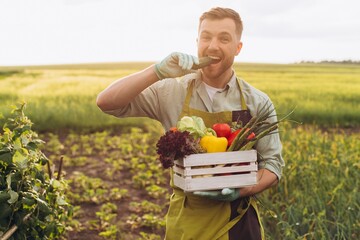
[37,32]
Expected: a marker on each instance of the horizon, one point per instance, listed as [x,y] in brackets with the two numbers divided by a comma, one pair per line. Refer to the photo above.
[94,64]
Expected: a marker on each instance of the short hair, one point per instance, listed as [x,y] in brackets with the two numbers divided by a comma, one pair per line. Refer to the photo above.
[219,13]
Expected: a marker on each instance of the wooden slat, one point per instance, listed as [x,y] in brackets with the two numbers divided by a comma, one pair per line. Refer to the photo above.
[218,182]
[220,170]
[218,158]
[178,170]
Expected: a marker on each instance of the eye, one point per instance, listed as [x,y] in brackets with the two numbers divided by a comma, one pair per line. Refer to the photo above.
[206,37]
[225,39]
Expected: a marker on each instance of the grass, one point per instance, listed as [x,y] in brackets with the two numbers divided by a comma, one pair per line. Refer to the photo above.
[61,99]
[64,96]
[318,197]
[324,94]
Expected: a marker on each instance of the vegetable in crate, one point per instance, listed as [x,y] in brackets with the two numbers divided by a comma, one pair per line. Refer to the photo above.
[235,133]
[222,129]
[213,144]
[257,128]
[175,145]
[195,126]
[182,140]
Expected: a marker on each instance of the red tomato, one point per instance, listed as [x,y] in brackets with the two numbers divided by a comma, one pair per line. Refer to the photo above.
[222,129]
[233,136]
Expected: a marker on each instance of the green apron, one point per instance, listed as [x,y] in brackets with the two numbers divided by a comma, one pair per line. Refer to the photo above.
[199,218]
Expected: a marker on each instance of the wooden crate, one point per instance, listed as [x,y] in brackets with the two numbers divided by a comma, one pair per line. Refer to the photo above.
[211,171]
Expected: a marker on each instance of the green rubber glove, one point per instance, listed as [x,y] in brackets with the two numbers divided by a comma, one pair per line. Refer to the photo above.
[175,65]
[226,194]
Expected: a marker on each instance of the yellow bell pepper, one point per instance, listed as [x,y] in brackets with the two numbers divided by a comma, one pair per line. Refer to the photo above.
[214,144]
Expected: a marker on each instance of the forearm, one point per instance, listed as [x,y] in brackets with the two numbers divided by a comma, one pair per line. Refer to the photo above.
[122,91]
[266,179]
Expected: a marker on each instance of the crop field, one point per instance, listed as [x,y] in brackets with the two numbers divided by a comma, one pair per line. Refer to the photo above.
[327,95]
[118,187]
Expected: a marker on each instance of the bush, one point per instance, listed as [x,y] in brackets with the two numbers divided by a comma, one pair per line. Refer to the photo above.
[32,203]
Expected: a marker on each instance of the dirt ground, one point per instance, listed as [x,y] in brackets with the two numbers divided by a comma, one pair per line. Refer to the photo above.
[93,177]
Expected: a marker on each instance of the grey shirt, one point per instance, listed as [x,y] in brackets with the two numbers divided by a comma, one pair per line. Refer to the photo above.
[163,101]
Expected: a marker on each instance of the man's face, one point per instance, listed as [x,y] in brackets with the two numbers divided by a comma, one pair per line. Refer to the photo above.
[218,39]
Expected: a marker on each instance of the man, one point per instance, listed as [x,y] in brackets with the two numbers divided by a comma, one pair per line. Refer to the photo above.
[169,90]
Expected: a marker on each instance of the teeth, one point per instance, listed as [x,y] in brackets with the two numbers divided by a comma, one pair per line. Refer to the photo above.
[214,57]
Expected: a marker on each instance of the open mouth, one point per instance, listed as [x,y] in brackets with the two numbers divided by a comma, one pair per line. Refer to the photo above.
[215,59]
[206,61]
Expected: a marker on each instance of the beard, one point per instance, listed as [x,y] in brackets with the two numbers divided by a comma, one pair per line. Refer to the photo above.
[218,70]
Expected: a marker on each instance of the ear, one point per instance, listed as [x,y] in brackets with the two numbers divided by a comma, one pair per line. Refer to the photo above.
[238,48]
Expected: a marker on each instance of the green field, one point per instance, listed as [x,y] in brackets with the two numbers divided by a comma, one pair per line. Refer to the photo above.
[120,189]
[64,96]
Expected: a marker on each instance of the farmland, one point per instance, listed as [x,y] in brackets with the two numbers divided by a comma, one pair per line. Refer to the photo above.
[119,189]
[323,94]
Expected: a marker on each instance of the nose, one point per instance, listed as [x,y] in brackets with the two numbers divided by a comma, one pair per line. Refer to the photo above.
[213,44]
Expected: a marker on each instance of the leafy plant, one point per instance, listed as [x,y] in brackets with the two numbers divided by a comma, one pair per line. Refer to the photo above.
[32,203]
[93,190]
[107,221]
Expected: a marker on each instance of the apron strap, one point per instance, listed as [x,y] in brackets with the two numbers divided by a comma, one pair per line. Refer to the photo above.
[188,96]
[242,99]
